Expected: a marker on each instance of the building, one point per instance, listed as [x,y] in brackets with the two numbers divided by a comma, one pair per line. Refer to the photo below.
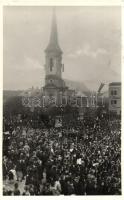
[115,97]
[55,86]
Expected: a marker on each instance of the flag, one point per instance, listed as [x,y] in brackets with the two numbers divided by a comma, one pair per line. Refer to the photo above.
[62,67]
[100,88]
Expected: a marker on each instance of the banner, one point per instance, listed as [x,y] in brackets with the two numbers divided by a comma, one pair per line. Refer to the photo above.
[52,101]
[44,101]
[100,88]
[36,102]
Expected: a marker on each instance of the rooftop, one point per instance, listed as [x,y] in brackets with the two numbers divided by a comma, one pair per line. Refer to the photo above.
[115,84]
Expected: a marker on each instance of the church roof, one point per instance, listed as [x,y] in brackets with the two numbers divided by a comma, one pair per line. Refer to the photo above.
[115,84]
[53,42]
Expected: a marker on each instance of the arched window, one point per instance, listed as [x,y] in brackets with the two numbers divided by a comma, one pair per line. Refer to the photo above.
[51,64]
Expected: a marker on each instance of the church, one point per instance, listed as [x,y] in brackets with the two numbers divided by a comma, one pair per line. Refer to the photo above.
[55,87]
[55,92]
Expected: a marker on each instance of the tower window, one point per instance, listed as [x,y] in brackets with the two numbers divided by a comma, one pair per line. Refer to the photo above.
[51,64]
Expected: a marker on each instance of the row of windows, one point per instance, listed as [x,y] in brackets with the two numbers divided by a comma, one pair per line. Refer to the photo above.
[113,102]
[114,92]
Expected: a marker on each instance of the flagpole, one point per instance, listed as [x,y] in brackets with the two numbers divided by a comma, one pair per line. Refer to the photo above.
[96,99]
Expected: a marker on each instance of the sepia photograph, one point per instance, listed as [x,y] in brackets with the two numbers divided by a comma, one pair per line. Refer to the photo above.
[61,101]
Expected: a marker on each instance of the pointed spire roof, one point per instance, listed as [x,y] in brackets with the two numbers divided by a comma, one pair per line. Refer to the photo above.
[53,42]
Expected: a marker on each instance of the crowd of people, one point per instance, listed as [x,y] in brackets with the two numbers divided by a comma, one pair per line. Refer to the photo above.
[71,160]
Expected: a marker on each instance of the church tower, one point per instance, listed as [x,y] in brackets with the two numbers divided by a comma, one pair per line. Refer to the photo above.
[53,63]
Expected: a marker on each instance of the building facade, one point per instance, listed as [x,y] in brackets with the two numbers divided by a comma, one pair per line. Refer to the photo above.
[115,97]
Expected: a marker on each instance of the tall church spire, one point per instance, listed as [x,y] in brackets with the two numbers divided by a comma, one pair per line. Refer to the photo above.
[53,42]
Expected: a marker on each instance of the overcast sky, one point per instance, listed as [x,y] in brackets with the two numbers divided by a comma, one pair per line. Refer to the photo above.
[88,36]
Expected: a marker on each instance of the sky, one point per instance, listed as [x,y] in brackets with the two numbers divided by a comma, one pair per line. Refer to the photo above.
[89,36]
